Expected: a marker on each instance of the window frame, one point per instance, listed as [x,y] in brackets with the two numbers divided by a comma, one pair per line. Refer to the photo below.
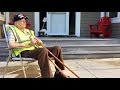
[116,19]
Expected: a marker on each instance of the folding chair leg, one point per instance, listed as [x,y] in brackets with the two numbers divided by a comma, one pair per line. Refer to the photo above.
[23,69]
[8,59]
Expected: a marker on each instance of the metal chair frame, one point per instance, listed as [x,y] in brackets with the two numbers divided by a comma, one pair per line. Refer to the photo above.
[13,58]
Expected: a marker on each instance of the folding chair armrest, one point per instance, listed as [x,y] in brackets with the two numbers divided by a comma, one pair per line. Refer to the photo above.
[91,26]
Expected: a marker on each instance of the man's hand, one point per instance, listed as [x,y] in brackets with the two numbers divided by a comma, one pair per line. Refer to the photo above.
[33,41]
[40,41]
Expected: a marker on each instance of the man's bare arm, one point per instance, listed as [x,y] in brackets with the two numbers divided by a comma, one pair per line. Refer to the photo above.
[13,44]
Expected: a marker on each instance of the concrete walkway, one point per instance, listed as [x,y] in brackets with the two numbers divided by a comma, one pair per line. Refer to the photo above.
[84,68]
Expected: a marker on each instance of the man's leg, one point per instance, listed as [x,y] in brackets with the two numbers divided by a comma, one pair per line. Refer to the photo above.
[57,51]
[41,55]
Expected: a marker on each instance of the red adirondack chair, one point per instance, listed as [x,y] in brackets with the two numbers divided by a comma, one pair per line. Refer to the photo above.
[102,28]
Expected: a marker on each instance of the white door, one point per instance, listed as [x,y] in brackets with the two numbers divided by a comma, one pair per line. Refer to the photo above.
[57,23]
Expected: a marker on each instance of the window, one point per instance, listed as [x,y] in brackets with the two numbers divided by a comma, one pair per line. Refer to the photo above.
[115,16]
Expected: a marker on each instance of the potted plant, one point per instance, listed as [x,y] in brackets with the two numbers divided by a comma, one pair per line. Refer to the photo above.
[43,31]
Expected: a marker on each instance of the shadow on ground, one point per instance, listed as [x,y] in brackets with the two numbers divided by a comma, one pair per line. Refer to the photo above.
[32,71]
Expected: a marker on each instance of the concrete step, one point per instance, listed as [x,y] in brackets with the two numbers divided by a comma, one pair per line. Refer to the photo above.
[69,48]
[80,54]
[74,41]
[80,41]
[74,48]
[4,50]
[3,59]
[3,56]
[91,56]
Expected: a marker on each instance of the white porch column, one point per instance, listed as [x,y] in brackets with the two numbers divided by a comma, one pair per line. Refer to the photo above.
[77,24]
[37,22]
[102,14]
[7,17]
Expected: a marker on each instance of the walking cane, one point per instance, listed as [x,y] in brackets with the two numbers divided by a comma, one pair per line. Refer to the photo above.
[58,68]
[58,61]
[62,63]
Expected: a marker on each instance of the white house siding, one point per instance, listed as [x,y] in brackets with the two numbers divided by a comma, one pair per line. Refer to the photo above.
[88,18]
[115,30]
